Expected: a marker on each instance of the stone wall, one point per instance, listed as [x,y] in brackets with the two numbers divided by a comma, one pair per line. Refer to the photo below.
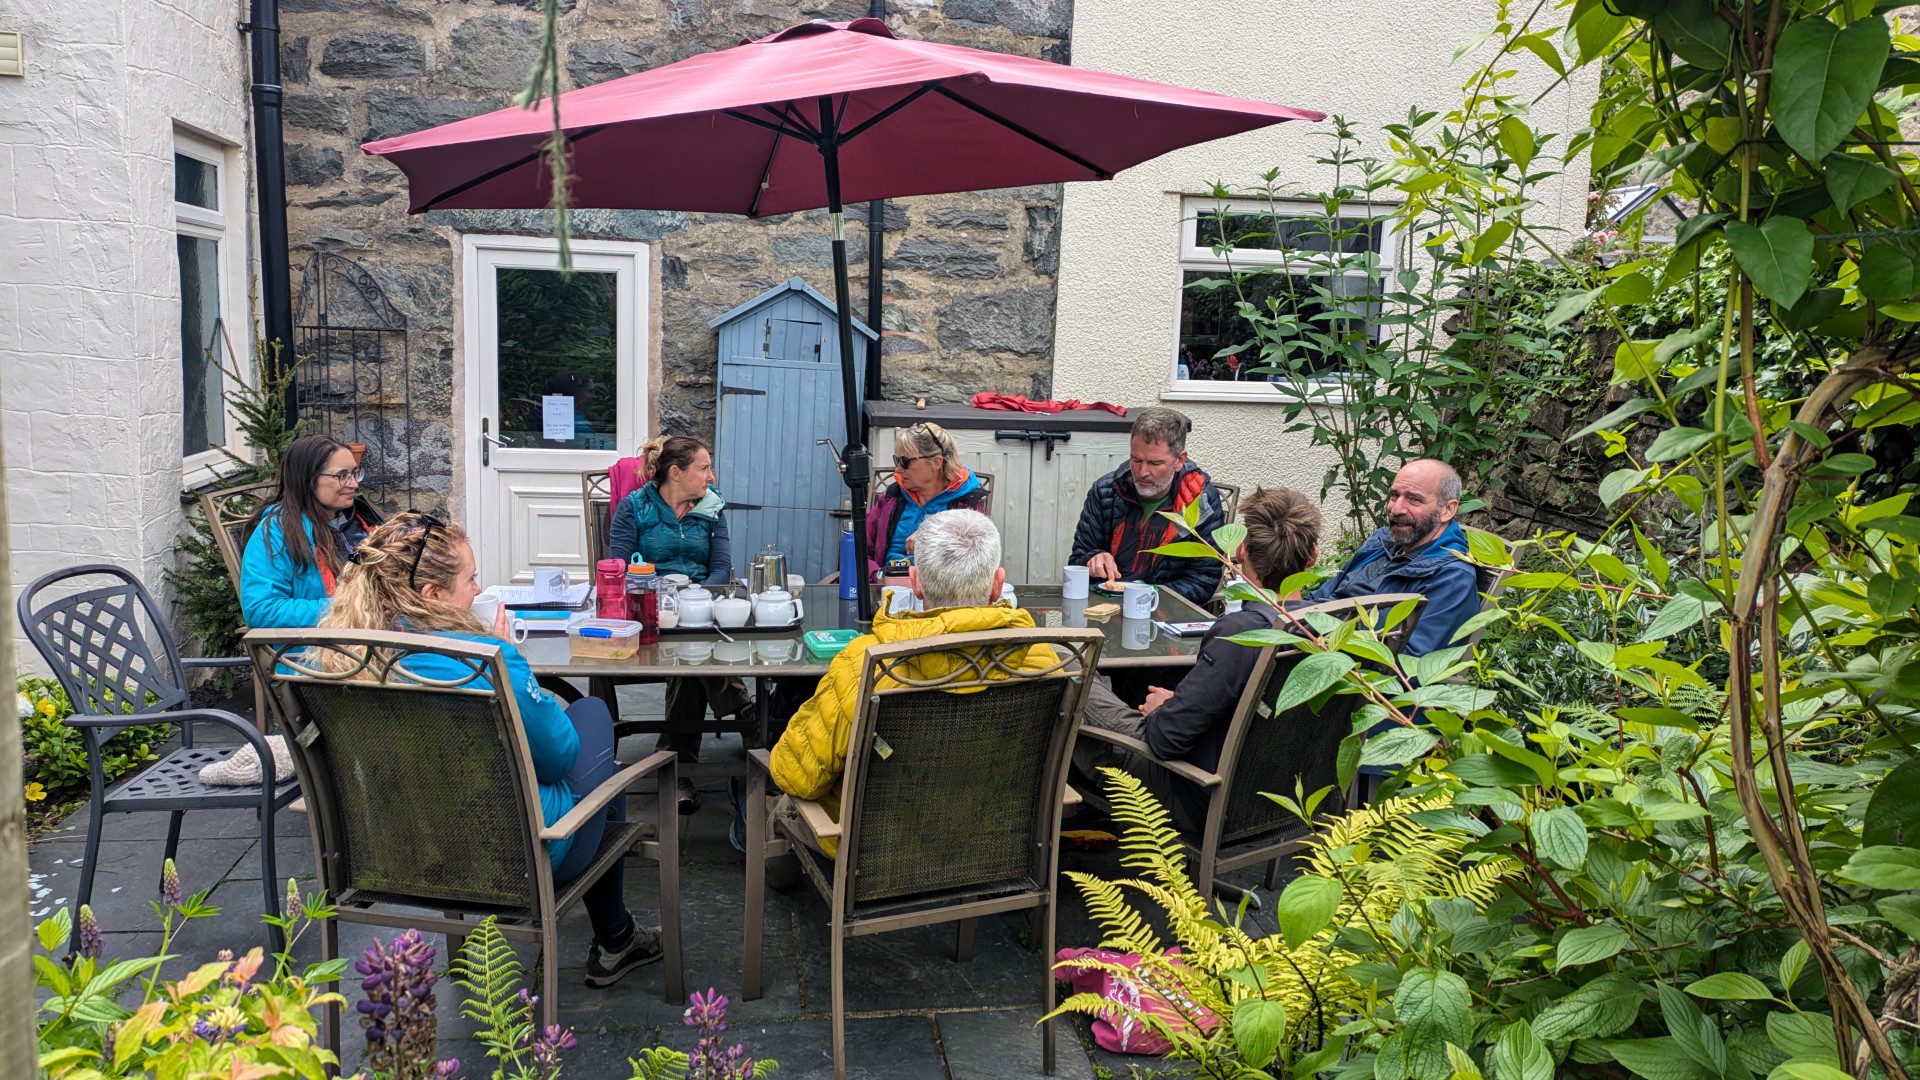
[969,280]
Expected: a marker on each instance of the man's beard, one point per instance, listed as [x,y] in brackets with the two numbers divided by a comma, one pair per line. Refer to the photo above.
[1152,493]
[1406,531]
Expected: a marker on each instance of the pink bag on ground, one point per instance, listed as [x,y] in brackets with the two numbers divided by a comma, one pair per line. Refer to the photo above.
[1119,1032]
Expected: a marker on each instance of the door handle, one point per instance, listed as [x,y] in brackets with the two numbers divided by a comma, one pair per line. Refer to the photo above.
[1029,435]
[742,390]
[1017,436]
[488,442]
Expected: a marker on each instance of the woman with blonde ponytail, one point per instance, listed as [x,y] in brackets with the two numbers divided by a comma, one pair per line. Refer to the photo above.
[415,573]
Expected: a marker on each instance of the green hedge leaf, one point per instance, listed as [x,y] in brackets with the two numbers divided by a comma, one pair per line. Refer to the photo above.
[1893,811]
[1729,986]
[1657,1059]
[1823,78]
[1606,1006]
[1884,867]
[1305,907]
[1777,257]
[1258,1027]
[1397,747]
[1312,675]
[1561,837]
[1519,1054]
[1589,945]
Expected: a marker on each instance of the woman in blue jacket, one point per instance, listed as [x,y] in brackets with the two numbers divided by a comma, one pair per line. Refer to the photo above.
[416,573]
[677,522]
[300,541]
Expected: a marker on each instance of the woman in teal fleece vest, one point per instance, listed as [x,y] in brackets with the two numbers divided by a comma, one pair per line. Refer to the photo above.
[416,573]
[677,522]
[288,574]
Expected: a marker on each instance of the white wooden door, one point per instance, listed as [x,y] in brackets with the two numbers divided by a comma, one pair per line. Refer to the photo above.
[548,355]
[1059,492]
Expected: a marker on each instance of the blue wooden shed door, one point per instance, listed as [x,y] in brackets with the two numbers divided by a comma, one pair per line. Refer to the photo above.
[779,395]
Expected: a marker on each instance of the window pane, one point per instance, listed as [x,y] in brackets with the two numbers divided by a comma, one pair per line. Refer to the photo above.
[1217,344]
[557,339]
[203,421]
[1268,232]
[195,182]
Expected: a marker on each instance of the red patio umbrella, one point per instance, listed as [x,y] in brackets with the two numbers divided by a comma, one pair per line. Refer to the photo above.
[818,115]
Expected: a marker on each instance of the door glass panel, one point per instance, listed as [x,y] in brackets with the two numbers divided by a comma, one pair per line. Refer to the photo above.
[203,421]
[557,340]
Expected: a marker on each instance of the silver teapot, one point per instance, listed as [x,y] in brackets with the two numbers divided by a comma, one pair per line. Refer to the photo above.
[768,571]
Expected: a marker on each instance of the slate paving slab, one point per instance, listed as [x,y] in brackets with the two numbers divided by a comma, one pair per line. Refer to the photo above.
[990,1044]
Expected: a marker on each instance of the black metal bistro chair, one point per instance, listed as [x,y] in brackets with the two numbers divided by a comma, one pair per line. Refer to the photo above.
[120,674]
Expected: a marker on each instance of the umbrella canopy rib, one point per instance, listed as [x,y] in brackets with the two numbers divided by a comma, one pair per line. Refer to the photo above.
[909,99]
[495,173]
[1037,140]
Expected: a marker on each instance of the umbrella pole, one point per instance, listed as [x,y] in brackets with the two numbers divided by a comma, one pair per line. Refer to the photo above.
[859,470]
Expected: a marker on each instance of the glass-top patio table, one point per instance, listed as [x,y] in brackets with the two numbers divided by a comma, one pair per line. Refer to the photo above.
[1130,643]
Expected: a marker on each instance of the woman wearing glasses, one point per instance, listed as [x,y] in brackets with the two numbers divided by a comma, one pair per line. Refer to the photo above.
[300,541]
[416,574]
[927,478]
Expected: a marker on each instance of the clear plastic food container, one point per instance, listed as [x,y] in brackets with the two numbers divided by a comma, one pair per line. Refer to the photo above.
[604,639]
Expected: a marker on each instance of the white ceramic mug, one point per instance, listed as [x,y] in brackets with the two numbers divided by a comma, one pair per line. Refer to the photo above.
[1138,599]
[1073,583]
[486,608]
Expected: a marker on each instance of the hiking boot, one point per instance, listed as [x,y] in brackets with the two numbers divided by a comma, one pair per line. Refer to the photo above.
[689,798]
[605,968]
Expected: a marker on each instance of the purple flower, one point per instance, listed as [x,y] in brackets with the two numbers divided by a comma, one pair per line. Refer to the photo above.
[170,885]
[547,1048]
[397,1013]
[86,936]
[712,1059]
[445,1069]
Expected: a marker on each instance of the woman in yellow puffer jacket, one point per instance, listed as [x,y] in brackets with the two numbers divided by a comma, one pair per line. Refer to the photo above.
[950,551]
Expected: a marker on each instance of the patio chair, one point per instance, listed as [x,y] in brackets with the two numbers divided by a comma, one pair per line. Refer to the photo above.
[1229,498]
[120,674]
[1265,752]
[596,502]
[231,513]
[421,794]
[950,804]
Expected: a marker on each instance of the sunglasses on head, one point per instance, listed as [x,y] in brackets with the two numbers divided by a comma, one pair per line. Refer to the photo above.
[430,522]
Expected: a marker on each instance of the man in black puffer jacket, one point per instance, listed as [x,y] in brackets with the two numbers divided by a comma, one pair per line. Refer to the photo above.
[1120,523]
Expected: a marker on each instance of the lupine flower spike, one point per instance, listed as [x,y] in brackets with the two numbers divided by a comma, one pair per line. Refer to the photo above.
[170,885]
[86,935]
[398,983]
[547,1048]
[711,1058]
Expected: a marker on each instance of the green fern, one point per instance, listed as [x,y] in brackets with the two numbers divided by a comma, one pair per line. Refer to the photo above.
[489,972]
[1384,860]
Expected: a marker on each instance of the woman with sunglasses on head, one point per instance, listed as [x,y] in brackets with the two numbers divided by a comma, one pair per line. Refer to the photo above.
[927,478]
[300,541]
[677,522]
[416,574]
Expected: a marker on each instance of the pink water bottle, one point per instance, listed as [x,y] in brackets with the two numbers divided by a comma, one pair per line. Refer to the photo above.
[610,589]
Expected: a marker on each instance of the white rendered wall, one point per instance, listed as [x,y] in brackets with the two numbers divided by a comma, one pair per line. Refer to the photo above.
[1119,267]
[90,376]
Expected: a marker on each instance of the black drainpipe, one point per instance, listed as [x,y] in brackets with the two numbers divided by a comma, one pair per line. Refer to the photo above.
[876,262]
[270,176]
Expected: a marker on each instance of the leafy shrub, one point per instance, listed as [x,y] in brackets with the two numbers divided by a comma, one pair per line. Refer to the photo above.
[56,754]
[221,1019]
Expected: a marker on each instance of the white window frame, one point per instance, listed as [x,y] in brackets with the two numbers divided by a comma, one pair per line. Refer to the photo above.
[226,227]
[1195,255]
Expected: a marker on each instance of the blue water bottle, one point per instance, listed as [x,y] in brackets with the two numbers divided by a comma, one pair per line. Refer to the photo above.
[849,565]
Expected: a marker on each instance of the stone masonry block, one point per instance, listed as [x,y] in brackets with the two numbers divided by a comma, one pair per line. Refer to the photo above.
[373,56]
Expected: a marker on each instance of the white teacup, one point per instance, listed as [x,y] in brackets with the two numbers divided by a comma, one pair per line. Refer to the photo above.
[486,608]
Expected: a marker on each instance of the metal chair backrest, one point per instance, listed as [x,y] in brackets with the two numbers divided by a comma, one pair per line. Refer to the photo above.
[1268,752]
[420,783]
[596,502]
[957,763]
[232,513]
[107,644]
[883,477]
[1229,499]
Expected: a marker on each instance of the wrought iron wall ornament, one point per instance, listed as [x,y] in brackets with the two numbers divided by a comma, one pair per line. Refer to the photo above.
[355,379]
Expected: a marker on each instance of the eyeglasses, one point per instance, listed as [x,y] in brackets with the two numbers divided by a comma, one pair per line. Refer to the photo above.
[344,476]
[425,533]
[903,462]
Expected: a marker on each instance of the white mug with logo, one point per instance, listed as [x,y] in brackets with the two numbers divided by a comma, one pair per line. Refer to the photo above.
[1073,583]
[1138,599]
